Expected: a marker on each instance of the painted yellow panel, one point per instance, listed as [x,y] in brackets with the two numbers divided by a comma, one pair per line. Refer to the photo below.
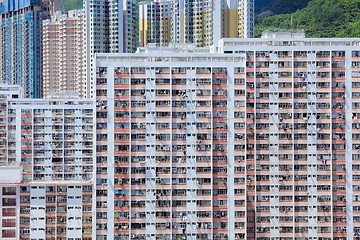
[143,32]
[230,23]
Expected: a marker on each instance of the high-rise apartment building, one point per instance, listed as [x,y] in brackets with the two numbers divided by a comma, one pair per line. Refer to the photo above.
[203,22]
[257,141]
[63,38]
[155,22]
[246,21]
[21,47]
[46,167]
[109,27]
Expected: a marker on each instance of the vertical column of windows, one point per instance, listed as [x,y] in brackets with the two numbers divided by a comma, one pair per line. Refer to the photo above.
[275,127]
[150,174]
[111,149]
[57,126]
[338,143]
[249,147]
[79,145]
[320,206]
[74,217]
[203,147]
[180,152]
[191,153]
[37,212]
[349,116]
[230,153]
[353,217]
[284,61]
[164,152]
[48,145]
[311,192]
[122,151]
[240,149]
[219,151]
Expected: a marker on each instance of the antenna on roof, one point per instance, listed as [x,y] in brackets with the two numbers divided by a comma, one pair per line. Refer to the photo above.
[291,23]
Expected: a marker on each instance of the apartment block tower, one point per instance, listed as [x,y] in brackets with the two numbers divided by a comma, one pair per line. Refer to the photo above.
[21,47]
[63,38]
[258,140]
[203,22]
[109,27]
[155,22]
[238,19]
[46,167]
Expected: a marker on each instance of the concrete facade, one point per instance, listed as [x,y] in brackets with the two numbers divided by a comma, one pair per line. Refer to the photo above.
[46,166]
[254,139]
[257,140]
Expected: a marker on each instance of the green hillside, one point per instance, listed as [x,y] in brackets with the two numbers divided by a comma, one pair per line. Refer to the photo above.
[261,4]
[284,6]
[66,5]
[321,18]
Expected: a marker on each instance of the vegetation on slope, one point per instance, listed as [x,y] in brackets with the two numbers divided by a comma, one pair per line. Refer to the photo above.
[321,18]
[285,6]
[66,5]
[261,4]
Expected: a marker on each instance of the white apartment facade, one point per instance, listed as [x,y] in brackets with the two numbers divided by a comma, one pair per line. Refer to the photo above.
[256,141]
[47,167]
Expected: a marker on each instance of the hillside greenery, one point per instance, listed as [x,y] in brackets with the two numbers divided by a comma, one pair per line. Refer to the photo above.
[261,4]
[66,5]
[321,18]
[284,6]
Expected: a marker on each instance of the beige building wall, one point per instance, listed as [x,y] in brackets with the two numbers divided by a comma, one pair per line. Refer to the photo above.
[63,54]
[142,24]
[230,19]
